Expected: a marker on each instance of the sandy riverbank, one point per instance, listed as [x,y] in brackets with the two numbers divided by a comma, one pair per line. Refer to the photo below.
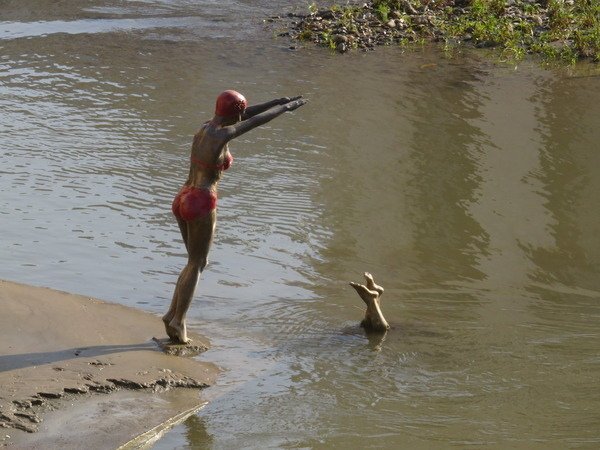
[60,354]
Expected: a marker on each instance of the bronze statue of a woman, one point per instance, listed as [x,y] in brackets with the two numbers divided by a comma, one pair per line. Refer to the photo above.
[195,205]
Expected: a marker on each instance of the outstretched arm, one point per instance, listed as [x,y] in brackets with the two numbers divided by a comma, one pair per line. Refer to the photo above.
[253,110]
[244,126]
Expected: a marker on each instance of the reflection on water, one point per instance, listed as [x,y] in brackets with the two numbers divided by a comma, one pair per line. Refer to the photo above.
[467,189]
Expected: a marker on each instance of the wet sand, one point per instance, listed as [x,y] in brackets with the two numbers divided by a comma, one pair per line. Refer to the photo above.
[60,354]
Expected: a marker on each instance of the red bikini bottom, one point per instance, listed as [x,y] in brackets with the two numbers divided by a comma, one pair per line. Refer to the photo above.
[192,203]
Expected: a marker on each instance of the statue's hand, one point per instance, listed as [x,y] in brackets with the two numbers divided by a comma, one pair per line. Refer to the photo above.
[284,100]
[295,104]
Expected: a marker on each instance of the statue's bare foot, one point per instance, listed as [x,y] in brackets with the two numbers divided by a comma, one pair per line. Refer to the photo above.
[371,284]
[180,332]
[365,293]
[171,332]
[371,295]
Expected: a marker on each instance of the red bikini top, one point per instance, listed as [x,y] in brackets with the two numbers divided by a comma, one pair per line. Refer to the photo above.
[224,166]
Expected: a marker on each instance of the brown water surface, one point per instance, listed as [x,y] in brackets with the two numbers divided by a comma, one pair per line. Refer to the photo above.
[469,189]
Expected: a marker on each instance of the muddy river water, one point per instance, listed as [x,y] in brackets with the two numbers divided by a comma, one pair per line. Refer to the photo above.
[469,189]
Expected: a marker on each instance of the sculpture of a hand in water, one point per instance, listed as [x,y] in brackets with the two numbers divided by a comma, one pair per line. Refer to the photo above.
[195,205]
[371,295]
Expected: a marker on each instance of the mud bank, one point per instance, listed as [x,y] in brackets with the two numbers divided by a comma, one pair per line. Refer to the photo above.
[59,351]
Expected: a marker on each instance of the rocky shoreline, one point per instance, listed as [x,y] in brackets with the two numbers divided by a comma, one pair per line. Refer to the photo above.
[557,30]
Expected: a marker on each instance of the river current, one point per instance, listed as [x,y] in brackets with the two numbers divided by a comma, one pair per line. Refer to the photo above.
[469,188]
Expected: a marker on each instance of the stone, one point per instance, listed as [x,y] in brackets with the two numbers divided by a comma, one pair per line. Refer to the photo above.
[421,20]
[559,45]
[339,39]
[537,19]
[485,44]
[326,14]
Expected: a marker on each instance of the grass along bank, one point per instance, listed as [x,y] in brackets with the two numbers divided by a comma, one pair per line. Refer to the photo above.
[565,30]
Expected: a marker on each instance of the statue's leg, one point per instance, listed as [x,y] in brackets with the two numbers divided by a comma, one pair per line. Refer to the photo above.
[370,294]
[171,312]
[374,319]
[199,239]
[171,332]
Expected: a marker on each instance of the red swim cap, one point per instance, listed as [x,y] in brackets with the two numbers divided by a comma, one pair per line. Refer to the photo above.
[230,103]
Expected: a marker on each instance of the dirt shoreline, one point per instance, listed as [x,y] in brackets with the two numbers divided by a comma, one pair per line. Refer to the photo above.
[60,351]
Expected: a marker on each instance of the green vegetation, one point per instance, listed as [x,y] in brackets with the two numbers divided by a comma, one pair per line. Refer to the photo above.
[558,31]
[564,30]
[383,11]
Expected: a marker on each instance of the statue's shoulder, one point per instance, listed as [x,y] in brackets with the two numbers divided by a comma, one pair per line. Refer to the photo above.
[210,136]
[208,129]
